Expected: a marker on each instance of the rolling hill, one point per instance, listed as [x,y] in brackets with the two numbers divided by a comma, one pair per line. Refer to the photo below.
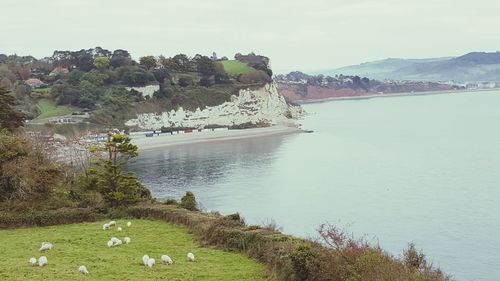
[472,67]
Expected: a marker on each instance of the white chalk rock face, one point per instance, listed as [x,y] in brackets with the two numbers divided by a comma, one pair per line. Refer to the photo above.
[255,106]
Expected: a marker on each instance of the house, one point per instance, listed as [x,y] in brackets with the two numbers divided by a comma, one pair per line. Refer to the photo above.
[34,83]
[58,71]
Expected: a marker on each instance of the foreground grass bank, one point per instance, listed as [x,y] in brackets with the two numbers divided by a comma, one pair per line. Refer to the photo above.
[85,243]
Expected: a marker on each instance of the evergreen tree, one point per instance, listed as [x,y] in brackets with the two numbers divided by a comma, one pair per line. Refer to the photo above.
[108,177]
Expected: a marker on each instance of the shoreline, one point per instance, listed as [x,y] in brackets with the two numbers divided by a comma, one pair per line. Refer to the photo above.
[404,94]
[149,143]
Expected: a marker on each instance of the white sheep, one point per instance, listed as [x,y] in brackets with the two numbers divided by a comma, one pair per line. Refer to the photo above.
[45,246]
[32,261]
[83,269]
[116,241]
[145,259]
[110,244]
[127,240]
[105,226]
[42,261]
[119,229]
[190,257]
[129,224]
[151,262]
[112,223]
[166,260]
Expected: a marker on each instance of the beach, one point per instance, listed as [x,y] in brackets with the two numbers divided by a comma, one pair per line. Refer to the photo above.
[404,94]
[165,140]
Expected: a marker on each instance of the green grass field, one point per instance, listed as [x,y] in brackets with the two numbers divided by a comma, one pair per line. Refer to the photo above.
[85,244]
[49,109]
[234,67]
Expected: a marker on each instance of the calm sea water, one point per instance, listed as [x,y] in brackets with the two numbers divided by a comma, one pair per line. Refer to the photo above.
[422,169]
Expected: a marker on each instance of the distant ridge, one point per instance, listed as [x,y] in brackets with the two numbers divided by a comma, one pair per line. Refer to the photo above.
[471,67]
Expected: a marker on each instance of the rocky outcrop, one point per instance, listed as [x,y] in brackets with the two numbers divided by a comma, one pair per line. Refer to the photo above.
[262,106]
[146,91]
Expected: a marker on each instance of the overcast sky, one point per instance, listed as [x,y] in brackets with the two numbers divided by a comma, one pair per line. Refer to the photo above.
[297,35]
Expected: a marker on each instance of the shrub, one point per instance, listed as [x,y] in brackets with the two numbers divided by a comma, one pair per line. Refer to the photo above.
[257,76]
[300,259]
[414,258]
[46,218]
[185,81]
[25,173]
[188,201]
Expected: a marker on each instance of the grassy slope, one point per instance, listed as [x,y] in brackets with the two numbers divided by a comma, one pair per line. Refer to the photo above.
[49,109]
[234,67]
[85,243]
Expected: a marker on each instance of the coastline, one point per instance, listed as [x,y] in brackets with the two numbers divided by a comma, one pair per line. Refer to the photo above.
[404,94]
[149,143]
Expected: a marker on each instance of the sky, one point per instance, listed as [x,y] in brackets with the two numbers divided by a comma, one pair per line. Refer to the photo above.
[310,35]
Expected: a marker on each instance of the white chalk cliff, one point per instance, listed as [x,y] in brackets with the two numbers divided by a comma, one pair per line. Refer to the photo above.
[265,105]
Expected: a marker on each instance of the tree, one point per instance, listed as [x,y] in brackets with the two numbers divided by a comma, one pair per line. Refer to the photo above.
[160,76]
[10,118]
[181,62]
[220,74]
[148,62]
[120,58]
[101,63]
[188,201]
[206,66]
[108,177]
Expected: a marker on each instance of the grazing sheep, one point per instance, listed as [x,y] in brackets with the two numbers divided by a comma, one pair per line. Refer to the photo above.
[166,260]
[42,261]
[112,223]
[105,226]
[110,244]
[190,257]
[116,241]
[32,262]
[129,224]
[145,259]
[127,240]
[46,246]
[83,269]
[151,262]
[119,229]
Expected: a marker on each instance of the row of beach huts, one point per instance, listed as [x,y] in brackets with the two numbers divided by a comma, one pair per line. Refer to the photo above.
[170,132]
[96,138]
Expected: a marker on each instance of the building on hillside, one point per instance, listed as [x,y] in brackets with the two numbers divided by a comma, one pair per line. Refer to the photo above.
[34,83]
[58,71]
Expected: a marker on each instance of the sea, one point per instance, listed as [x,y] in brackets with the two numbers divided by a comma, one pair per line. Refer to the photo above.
[394,170]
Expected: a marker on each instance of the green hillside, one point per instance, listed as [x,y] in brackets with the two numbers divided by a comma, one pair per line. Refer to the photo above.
[85,244]
[234,67]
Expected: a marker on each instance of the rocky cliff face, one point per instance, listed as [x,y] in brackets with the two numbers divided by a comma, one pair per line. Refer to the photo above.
[262,106]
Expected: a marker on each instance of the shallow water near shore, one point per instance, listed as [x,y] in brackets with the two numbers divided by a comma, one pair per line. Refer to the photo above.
[423,169]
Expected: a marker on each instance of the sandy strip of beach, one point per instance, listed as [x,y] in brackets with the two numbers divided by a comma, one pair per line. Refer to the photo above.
[165,140]
[405,94]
